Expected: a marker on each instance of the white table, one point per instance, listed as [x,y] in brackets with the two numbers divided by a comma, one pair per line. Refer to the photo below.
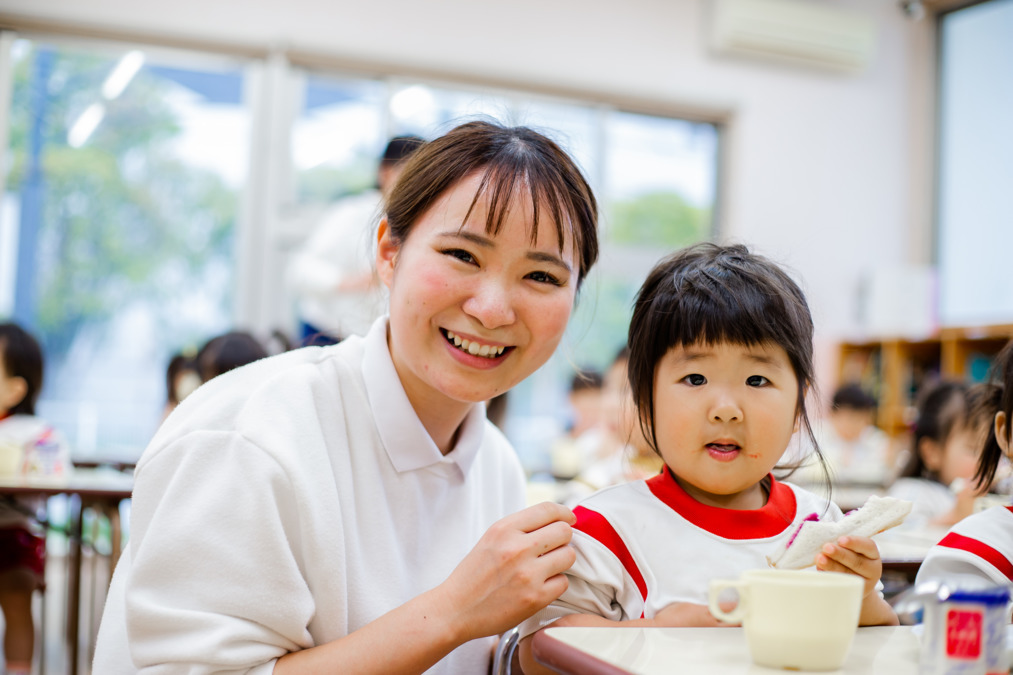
[97,489]
[705,651]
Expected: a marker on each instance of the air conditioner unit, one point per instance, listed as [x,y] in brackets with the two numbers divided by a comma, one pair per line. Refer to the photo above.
[807,32]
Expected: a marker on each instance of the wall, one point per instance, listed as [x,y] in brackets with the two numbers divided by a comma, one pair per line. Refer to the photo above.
[826,173]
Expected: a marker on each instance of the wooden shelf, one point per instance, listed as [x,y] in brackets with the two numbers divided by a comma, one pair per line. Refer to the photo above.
[894,369]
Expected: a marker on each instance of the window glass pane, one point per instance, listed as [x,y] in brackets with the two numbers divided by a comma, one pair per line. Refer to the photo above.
[660,176]
[337,138]
[429,111]
[658,196]
[573,127]
[122,194]
[975,161]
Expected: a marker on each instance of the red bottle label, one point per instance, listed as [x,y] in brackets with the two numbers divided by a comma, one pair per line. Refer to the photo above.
[963,634]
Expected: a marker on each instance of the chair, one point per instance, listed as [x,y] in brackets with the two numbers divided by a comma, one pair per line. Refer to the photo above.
[40,642]
[505,652]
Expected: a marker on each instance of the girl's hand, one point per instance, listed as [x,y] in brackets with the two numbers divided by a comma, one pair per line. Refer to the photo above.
[515,570]
[860,555]
[687,614]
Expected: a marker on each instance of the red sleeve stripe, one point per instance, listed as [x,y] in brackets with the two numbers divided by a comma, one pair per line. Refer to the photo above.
[595,525]
[983,551]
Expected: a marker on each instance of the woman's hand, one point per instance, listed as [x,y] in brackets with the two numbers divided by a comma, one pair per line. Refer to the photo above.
[515,570]
[860,555]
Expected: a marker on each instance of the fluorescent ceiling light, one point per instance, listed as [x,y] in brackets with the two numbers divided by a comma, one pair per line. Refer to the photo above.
[83,127]
[122,74]
[412,101]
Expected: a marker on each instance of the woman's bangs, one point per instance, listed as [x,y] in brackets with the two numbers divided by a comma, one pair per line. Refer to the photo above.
[502,186]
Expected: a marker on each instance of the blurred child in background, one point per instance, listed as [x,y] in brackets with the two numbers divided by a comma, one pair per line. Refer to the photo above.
[946,446]
[181,379]
[979,549]
[622,453]
[585,399]
[855,449]
[574,449]
[226,352]
[39,450]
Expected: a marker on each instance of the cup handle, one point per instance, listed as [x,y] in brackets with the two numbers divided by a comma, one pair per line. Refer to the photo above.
[739,612]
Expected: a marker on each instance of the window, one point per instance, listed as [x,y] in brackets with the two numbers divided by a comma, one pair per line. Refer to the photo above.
[153,197]
[975,163]
[126,168]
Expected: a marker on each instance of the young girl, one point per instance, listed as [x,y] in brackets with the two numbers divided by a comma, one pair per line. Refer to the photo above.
[979,549]
[350,508]
[949,433]
[41,450]
[720,363]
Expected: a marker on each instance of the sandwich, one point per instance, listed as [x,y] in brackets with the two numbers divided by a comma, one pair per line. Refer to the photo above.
[875,516]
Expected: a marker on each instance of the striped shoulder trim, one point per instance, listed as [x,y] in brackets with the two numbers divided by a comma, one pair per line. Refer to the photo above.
[980,549]
[596,526]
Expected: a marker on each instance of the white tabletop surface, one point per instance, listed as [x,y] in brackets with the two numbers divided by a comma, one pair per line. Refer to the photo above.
[705,651]
[900,544]
[95,481]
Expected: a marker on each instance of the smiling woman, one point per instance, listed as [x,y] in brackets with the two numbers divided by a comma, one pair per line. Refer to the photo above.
[376,502]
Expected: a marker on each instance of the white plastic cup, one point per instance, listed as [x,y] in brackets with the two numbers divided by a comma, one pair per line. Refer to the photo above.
[795,619]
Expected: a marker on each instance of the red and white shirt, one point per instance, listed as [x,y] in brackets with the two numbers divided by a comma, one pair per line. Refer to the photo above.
[977,549]
[644,545]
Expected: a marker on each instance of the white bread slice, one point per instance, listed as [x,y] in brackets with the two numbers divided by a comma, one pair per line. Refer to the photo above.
[876,515]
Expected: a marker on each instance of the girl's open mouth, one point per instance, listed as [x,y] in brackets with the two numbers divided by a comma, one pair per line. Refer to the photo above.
[723,452]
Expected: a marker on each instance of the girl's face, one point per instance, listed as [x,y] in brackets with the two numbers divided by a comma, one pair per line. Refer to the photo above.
[472,314]
[959,456]
[724,414]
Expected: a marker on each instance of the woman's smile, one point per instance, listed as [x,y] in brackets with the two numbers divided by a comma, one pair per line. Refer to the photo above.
[482,310]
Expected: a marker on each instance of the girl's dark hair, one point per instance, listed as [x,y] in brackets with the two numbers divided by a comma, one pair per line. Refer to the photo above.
[227,352]
[511,159]
[711,294]
[22,358]
[852,397]
[1000,400]
[943,408]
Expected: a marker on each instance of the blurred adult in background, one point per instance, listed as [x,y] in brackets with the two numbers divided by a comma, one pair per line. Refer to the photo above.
[28,446]
[332,273]
[855,449]
[949,437]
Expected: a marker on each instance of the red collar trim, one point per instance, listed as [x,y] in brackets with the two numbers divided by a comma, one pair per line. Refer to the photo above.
[4,415]
[771,520]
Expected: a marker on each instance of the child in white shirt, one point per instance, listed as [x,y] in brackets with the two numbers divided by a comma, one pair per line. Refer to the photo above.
[979,548]
[34,447]
[720,364]
[946,445]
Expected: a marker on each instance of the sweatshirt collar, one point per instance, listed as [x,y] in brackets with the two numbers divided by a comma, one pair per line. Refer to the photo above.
[405,439]
[770,520]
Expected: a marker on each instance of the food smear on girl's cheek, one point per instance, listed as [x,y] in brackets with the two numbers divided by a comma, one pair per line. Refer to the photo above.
[753,456]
